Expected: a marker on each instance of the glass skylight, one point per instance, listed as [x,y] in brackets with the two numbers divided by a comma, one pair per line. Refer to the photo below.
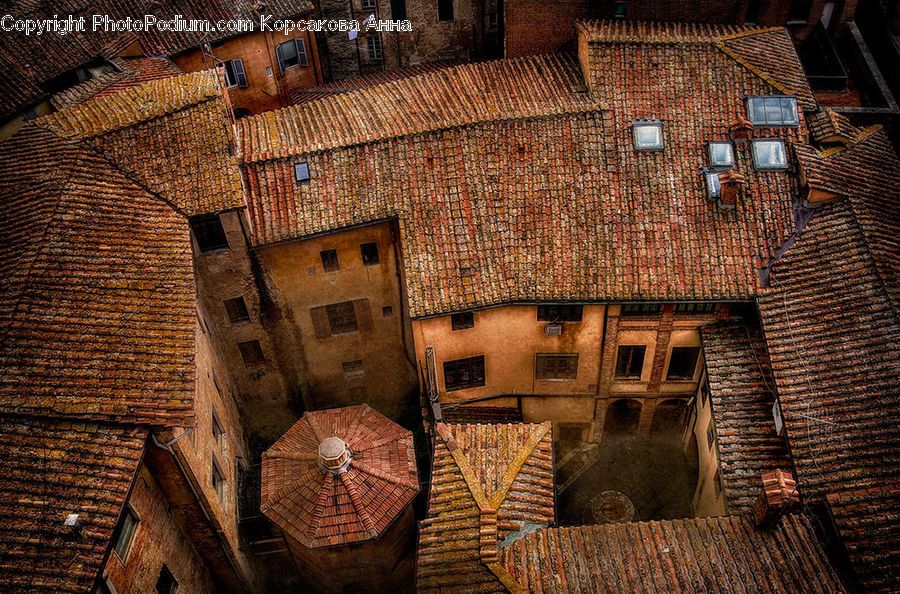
[769,153]
[301,173]
[773,111]
[713,186]
[721,154]
[648,135]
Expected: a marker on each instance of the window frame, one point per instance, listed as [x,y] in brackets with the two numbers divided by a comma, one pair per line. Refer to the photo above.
[756,163]
[560,312]
[625,310]
[238,76]
[299,52]
[637,125]
[475,370]
[217,429]
[632,348]
[353,369]
[330,260]
[374,49]
[219,486]
[781,123]
[367,259]
[712,159]
[131,535]
[209,227]
[682,378]
[236,310]
[712,183]
[301,173]
[338,318]
[540,370]
[244,347]
[706,308]
[462,320]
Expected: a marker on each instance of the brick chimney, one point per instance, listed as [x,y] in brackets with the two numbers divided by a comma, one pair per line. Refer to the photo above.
[779,495]
[730,182]
[741,129]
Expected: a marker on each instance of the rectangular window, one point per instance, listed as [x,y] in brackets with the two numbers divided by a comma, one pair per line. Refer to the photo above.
[704,393]
[713,185]
[559,313]
[237,310]
[682,363]
[341,317]
[126,533]
[330,260]
[641,309]
[234,74]
[353,369]
[251,353]
[648,134]
[373,45]
[445,10]
[217,431]
[398,10]
[710,435]
[769,153]
[209,233]
[773,111]
[291,53]
[630,361]
[369,253]
[555,367]
[721,154]
[166,582]
[301,174]
[387,311]
[218,478]
[800,10]
[461,321]
[368,3]
[695,308]
[464,373]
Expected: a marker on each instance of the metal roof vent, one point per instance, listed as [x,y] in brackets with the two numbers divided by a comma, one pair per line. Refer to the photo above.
[334,455]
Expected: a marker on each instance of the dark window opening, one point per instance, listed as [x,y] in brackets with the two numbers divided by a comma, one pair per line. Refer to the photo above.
[353,369]
[166,583]
[236,309]
[630,361]
[559,313]
[800,10]
[464,373]
[695,308]
[710,435]
[682,363]
[217,431]
[556,366]
[445,10]
[341,317]
[387,311]
[330,260]
[234,74]
[369,253]
[398,10]
[301,174]
[126,532]
[461,321]
[251,353]
[291,53]
[753,10]
[641,309]
[209,233]
[218,478]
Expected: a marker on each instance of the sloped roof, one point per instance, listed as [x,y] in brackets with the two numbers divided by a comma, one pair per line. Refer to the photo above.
[489,483]
[321,509]
[723,554]
[742,393]
[828,126]
[186,157]
[97,315]
[520,195]
[132,72]
[49,469]
[832,326]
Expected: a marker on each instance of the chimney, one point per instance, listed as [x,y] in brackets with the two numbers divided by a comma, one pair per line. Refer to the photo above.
[779,495]
[334,455]
[730,182]
[741,129]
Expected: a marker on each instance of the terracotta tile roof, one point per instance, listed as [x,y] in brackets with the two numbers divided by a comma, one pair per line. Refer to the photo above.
[831,323]
[505,89]
[742,393]
[489,484]
[355,83]
[187,157]
[97,315]
[551,203]
[321,509]
[49,469]
[133,72]
[724,554]
[828,126]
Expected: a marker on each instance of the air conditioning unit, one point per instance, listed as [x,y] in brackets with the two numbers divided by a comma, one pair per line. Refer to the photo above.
[553,329]
[779,422]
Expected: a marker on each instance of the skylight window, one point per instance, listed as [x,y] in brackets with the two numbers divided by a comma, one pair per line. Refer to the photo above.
[713,186]
[773,111]
[769,153]
[301,173]
[721,154]
[648,135]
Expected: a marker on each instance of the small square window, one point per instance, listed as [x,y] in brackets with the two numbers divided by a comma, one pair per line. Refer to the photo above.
[126,533]
[330,260]
[683,363]
[630,361]
[251,353]
[301,173]
[559,313]
[369,253]
[721,154]
[353,369]
[237,310]
[620,9]
[387,311]
[368,3]
[641,309]
[773,111]
[218,479]
[209,233]
[713,185]
[648,135]
[770,154]
[461,321]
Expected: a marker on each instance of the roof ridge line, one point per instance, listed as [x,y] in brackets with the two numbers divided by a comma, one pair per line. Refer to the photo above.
[748,33]
[746,64]
[364,517]
[512,471]
[365,468]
